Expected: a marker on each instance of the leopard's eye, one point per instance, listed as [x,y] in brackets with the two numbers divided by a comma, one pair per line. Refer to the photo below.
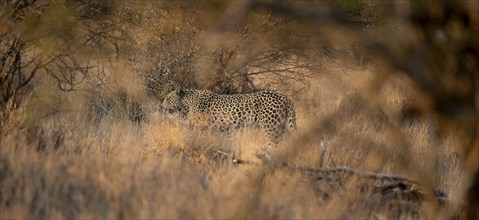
[170,111]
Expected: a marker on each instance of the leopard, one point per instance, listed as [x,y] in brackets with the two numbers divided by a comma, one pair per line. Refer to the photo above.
[270,112]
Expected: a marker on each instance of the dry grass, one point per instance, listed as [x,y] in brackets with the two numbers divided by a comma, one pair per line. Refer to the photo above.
[68,166]
[105,150]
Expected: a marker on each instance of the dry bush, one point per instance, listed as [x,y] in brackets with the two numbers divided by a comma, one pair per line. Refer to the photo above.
[385,95]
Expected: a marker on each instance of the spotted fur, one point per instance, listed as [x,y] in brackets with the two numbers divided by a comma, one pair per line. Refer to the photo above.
[273,113]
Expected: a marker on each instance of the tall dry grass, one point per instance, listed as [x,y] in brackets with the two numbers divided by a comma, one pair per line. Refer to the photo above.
[364,148]
[67,165]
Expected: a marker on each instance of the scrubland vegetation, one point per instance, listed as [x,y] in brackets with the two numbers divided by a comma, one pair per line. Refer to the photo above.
[386,97]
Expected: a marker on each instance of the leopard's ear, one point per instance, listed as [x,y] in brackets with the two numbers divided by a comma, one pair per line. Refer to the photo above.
[180,92]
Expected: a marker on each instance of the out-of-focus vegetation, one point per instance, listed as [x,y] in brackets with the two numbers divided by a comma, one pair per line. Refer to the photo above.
[386,95]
